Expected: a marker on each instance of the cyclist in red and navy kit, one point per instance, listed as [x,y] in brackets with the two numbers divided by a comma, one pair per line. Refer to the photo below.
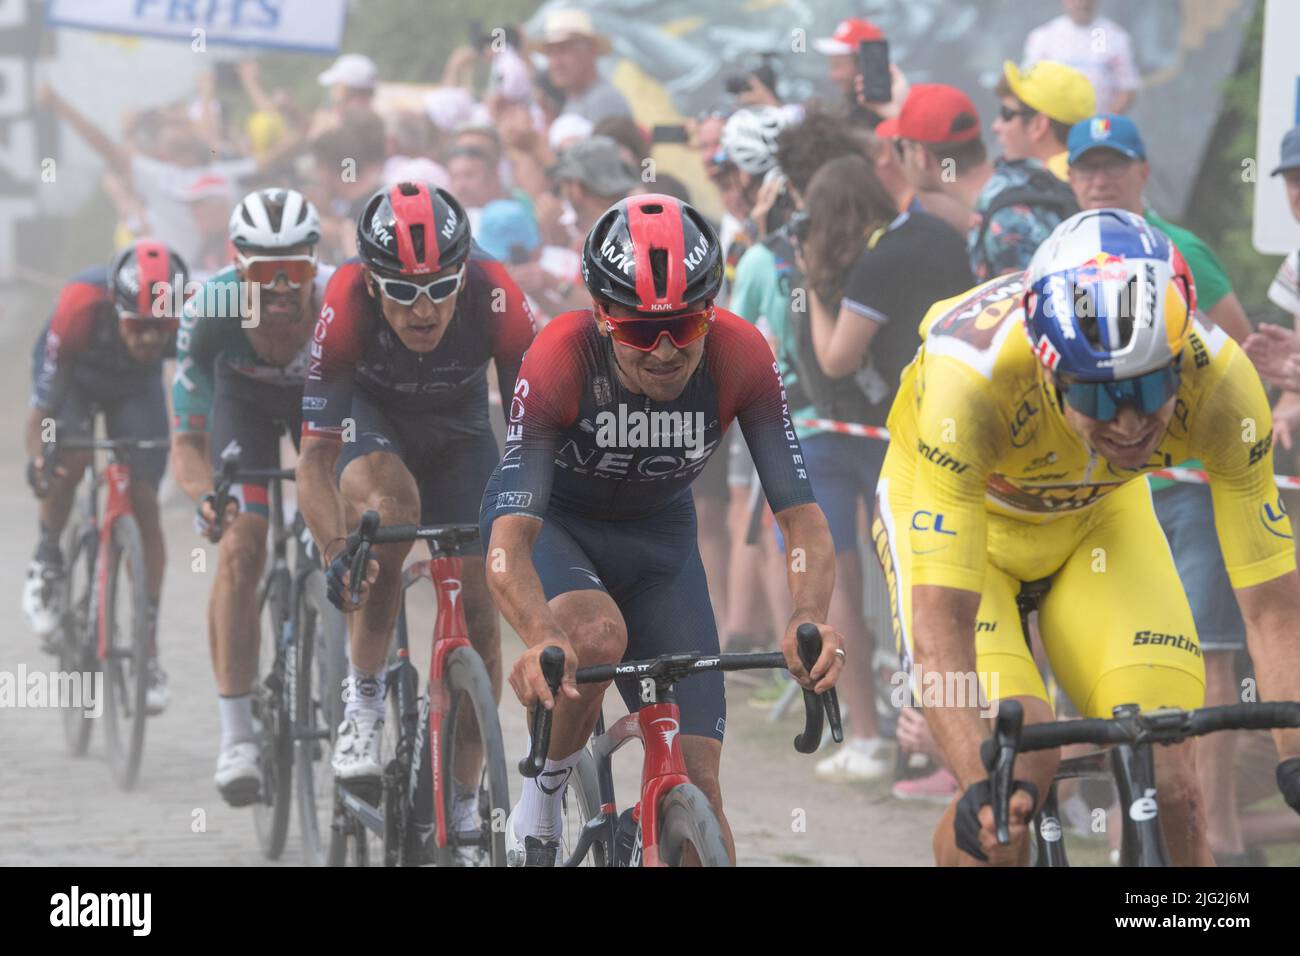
[102,350]
[395,419]
[589,515]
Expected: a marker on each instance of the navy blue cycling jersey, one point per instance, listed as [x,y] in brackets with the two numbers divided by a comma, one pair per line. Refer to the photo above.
[81,339]
[578,439]
[353,346]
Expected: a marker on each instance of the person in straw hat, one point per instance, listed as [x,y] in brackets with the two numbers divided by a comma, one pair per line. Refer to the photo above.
[572,46]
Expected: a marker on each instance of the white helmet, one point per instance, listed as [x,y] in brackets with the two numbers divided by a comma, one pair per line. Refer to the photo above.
[749,138]
[274,219]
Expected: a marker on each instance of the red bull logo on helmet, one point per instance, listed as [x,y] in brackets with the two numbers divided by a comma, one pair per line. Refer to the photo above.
[1103,267]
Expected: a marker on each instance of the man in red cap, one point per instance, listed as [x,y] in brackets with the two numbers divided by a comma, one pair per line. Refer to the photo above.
[842,48]
[937,143]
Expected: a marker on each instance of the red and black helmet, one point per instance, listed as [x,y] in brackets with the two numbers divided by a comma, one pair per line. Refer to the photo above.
[412,229]
[135,275]
[652,253]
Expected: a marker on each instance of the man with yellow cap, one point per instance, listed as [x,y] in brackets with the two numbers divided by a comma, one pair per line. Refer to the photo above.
[1028,193]
[1039,105]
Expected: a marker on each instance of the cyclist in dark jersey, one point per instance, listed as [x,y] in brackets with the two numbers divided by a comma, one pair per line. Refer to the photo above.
[396,419]
[241,361]
[103,349]
[589,515]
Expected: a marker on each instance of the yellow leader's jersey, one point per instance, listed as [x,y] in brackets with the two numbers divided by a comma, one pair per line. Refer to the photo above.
[980,444]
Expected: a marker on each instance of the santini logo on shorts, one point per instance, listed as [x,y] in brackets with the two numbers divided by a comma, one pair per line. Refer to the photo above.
[1169,640]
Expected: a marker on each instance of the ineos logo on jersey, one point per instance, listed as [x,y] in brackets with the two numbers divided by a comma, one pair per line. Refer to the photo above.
[318,334]
[585,460]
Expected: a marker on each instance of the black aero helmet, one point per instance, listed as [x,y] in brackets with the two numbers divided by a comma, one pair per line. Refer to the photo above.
[412,229]
[146,272]
[652,253]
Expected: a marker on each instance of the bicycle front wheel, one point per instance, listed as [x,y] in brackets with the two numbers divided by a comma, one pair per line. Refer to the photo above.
[581,805]
[321,639]
[481,839]
[77,637]
[126,675]
[271,708]
[688,821]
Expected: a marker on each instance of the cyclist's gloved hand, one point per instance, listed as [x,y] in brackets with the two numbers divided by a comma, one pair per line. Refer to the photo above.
[36,478]
[336,589]
[1288,781]
[206,506]
[967,822]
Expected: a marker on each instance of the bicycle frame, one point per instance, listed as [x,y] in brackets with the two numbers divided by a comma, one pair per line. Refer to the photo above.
[450,631]
[118,478]
[657,725]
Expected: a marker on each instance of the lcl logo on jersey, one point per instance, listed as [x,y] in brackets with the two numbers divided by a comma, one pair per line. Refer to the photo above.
[1273,516]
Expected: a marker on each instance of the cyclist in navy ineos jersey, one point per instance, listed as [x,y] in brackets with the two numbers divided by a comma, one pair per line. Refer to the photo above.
[396,409]
[589,515]
[103,348]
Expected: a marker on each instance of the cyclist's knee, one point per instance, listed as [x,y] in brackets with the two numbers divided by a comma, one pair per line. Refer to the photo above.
[599,639]
[241,553]
[702,756]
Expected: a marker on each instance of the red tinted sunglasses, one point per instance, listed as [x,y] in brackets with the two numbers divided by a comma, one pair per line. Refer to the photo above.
[644,334]
[139,322]
[266,270]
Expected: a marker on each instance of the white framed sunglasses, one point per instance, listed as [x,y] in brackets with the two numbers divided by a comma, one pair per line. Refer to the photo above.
[405,292]
[266,270]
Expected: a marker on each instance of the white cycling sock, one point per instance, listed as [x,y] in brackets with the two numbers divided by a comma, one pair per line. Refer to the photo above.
[464,809]
[538,813]
[236,720]
[363,691]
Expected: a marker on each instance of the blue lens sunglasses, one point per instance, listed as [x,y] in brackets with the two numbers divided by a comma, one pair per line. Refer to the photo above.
[1103,400]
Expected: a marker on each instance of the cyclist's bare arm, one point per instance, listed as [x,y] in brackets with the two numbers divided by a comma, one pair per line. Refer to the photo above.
[319,499]
[943,642]
[517,590]
[191,465]
[1271,611]
[32,432]
[811,572]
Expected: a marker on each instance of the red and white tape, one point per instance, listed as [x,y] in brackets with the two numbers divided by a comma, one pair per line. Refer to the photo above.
[1191,476]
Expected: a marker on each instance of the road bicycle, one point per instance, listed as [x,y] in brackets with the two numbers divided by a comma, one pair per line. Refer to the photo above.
[431,742]
[672,813]
[297,704]
[105,601]
[1130,764]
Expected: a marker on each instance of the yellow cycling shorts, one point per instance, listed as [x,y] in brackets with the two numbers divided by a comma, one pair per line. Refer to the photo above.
[1115,624]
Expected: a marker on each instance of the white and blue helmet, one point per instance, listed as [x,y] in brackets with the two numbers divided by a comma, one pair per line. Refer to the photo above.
[1109,298]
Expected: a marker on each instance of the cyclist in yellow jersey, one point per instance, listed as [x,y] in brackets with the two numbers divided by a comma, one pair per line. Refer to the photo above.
[1018,430]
